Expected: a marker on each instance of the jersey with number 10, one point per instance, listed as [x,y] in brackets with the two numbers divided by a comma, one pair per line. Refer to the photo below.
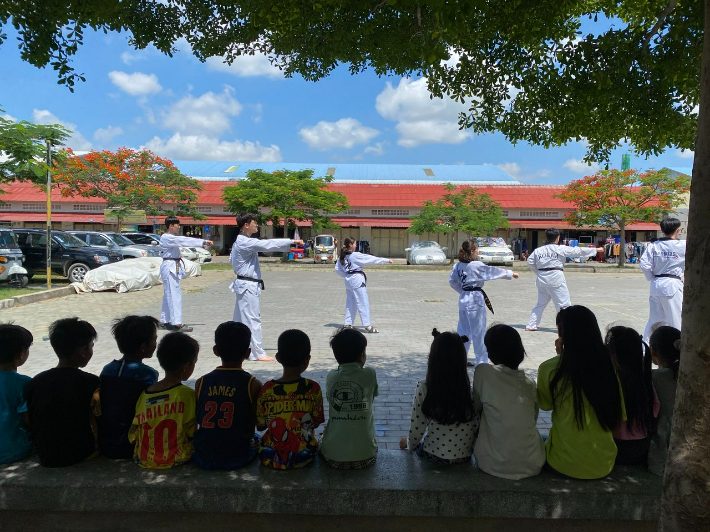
[163,427]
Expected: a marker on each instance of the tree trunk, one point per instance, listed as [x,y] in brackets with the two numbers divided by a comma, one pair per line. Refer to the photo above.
[686,496]
[621,259]
[454,248]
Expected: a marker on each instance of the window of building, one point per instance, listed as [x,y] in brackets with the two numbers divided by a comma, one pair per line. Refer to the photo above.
[88,207]
[506,213]
[5,206]
[540,214]
[352,211]
[390,212]
[33,206]
[204,209]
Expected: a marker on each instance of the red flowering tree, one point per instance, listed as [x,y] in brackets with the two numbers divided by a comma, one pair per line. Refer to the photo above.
[616,199]
[129,181]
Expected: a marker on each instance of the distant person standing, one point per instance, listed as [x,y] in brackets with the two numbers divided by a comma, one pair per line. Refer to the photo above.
[548,263]
[663,263]
[248,284]
[171,271]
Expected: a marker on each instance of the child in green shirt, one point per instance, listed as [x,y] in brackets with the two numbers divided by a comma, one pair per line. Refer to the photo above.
[349,441]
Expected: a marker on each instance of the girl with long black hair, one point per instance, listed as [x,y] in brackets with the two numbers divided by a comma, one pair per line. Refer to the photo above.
[581,388]
[632,360]
[443,420]
[349,266]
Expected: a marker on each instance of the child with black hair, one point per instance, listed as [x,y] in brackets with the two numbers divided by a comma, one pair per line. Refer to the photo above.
[632,361]
[581,388]
[63,402]
[509,444]
[443,421]
[349,440]
[290,407]
[665,352]
[122,382]
[15,342]
[226,404]
[164,422]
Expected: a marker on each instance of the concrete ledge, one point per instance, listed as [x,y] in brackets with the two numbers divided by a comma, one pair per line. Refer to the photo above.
[44,295]
[7,303]
[399,485]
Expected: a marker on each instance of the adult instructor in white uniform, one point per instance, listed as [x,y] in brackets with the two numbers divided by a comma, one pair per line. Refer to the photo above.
[248,284]
[172,270]
[548,263]
[663,263]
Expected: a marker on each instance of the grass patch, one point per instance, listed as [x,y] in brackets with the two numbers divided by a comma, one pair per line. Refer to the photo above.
[217,266]
[8,293]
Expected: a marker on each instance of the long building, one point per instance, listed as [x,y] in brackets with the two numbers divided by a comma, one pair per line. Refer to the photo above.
[382,198]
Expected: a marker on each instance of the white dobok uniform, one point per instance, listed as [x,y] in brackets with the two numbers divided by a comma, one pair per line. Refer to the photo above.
[245,263]
[171,271]
[663,263]
[465,278]
[547,263]
[355,285]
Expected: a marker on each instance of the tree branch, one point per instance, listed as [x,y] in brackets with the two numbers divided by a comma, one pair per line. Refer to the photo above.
[658,25]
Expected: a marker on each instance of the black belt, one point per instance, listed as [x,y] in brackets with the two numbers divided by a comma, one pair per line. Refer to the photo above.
[669,276]
[260,281]
[360,272]
[485,297]
[550,269]
[177,264]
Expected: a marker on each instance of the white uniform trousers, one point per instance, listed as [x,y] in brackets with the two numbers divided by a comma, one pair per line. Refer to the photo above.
[172,295]
[356,301]
[472,323]
[559,296]
[665,310]
[247,311]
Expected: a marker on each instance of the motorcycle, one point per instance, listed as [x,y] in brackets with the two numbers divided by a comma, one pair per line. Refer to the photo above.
[11,259]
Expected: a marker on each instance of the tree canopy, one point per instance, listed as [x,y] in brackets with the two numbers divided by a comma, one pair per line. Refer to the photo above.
[23,149]
[128,181]
[460,209]
[285,195]
[525,68]
[616,199]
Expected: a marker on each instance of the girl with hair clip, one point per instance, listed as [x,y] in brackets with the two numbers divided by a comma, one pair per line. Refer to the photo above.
[665,352]
[581,388]
[349,266]
[632,360]
[467,278]
[443,420]
[509,444]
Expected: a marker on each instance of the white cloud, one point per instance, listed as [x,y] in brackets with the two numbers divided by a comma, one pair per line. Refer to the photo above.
[420,119]
[258,112]
[685,154]
[516,171]
[202,147]
[377,149]
[510,168]
[246,66]
[76,140]
[136,84]
[106,135]
[8,117]
[128,57]
[345,133]
[208,114]
[580,167]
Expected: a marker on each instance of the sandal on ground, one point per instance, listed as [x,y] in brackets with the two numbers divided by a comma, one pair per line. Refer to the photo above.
[163,326]
[345,327]
[370,329]
[181,328]
[531,330]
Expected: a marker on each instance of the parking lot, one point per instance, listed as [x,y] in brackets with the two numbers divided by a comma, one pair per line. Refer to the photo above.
[405,303]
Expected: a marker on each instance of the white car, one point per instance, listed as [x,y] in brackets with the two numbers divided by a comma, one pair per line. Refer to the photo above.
[494,250]
[426,253]
[202,255]
[189,254]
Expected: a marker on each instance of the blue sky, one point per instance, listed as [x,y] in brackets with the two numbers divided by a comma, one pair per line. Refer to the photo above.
[183,109]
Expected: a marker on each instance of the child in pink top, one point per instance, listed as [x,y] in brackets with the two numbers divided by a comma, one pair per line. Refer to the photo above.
[632,361]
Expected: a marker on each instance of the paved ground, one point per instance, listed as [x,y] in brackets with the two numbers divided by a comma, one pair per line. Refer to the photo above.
[406,305]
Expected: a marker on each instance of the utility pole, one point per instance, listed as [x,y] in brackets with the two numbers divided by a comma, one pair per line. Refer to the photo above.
[49,214]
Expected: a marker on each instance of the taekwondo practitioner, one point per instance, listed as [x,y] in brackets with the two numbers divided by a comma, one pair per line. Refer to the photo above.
[248,284]
[467,278]
[547,263]
[172,269]
[663,263]
[349,266]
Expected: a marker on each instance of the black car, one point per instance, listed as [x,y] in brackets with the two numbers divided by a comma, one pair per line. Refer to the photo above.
[71,257]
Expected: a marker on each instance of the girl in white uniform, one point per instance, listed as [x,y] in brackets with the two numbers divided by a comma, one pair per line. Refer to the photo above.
[349,266]
[663,264]
[467,278]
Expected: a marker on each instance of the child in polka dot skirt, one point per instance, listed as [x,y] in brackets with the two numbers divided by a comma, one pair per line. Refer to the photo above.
[443,420]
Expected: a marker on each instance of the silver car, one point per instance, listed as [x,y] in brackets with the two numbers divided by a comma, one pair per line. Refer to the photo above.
[427,252]
[116,242]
